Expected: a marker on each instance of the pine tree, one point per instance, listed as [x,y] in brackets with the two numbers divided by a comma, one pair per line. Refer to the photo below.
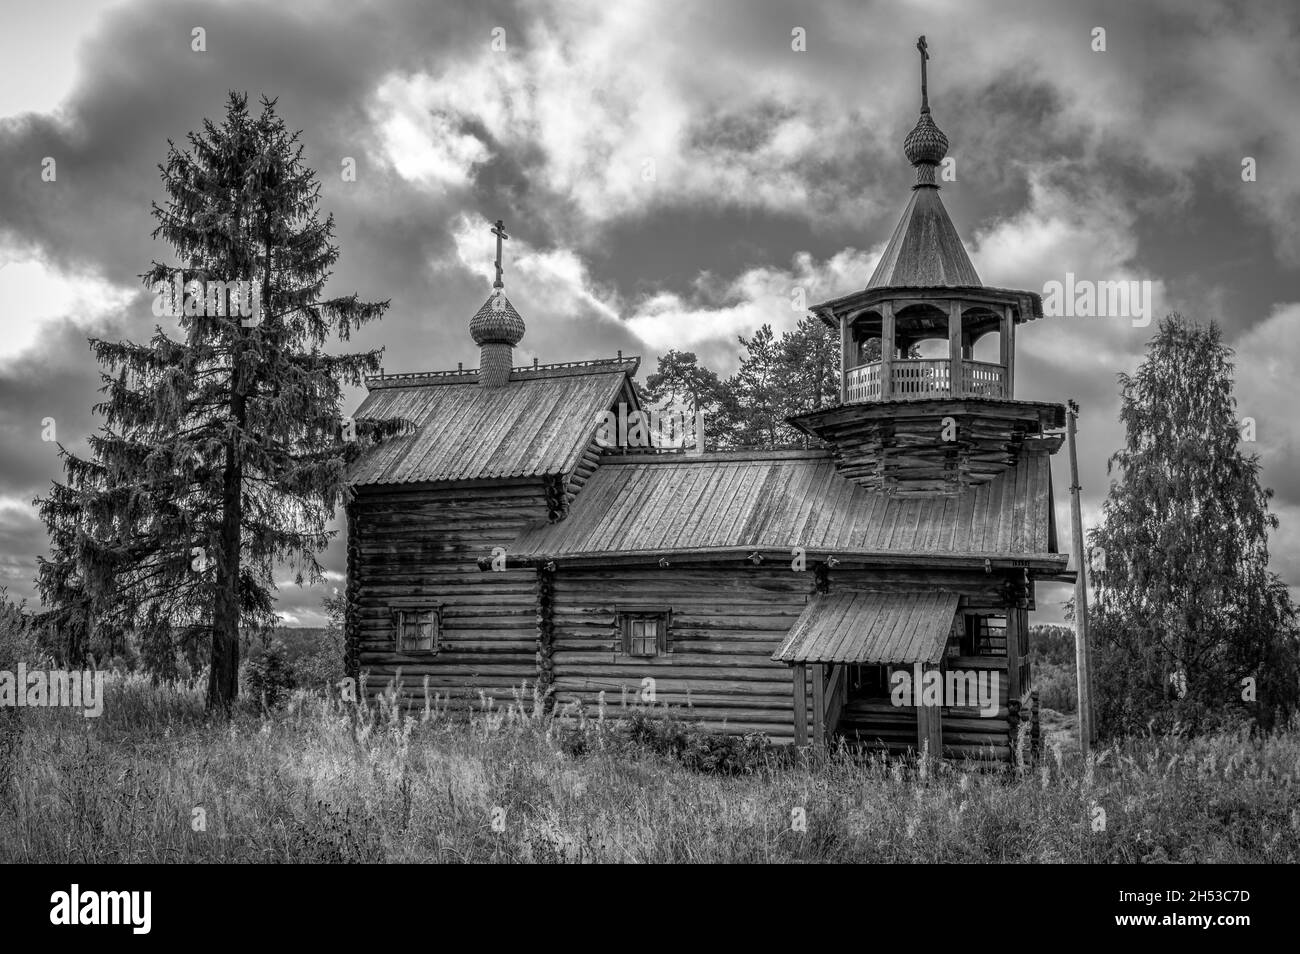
[751,411]
[682,382]
[222,455]
[778,378]
[1185,609]
[809,367]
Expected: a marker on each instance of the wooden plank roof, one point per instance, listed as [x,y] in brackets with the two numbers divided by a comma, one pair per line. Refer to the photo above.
[679,504]
[896,626]
[925,249]
[538,424]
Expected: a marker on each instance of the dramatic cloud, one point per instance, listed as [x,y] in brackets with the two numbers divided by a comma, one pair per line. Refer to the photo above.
[672,175]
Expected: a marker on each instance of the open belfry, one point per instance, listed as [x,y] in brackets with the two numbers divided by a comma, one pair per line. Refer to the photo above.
[501,546]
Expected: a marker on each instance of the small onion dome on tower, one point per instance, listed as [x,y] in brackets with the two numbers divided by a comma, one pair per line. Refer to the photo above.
[496,328]
[926,145]
[497,322]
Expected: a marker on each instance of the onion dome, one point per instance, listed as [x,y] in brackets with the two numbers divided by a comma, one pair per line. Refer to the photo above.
[925,144]
[497,322]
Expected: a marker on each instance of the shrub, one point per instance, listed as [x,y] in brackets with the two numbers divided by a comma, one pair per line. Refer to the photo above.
[667,735]
[268,677]
[316,654]
[1056,687]
[17,644]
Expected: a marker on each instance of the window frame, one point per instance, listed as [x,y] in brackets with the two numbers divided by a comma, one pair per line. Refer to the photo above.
[399,614]
[977,631]
[627,613]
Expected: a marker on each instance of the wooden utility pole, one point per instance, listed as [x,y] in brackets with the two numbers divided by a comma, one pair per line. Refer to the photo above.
[1082,654]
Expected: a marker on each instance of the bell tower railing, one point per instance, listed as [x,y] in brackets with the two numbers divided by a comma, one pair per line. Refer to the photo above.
[897,378]
[919,378]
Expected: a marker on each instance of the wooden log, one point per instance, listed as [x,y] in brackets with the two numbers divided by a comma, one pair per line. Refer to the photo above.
[1012,644]
[819,703]
[800,706]
[929,727]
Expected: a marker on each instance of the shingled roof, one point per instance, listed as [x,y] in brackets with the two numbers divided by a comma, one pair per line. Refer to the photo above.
[778,500]
[539,423]
[925,249]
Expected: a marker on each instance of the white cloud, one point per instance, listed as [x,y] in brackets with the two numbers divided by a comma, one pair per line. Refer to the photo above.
[1265,370]
[560,288]
[559,285]
[34,295]
[1071,225]
[424,145]
[718,311]
[621,125]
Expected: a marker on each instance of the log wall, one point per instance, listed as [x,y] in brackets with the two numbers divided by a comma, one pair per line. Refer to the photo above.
[500,629]
[726,623]
[727,620]
[420,548]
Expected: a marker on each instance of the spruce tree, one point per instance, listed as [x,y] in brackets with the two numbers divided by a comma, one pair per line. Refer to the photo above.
[223,452]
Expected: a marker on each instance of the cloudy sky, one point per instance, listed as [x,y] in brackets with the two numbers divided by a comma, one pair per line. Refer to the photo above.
[669,173]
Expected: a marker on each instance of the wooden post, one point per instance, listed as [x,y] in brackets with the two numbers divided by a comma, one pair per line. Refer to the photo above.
[836,686]
[929,722]
[800,705]
[845,359]
[956,374]
[1007,344]
[886,351]
[819,703]
[1082,656]
[1013,653]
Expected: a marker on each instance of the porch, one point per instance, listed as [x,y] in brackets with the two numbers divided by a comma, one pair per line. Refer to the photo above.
[964,673]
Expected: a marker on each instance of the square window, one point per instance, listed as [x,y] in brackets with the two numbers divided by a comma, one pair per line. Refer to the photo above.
[418,630]
[644,632]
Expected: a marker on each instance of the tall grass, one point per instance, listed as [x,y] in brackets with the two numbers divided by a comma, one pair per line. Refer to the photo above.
[155,780]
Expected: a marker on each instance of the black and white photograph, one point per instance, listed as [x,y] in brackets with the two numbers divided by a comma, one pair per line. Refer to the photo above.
[652,432]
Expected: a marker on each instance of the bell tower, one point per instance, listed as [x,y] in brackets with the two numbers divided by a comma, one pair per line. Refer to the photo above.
[908,424]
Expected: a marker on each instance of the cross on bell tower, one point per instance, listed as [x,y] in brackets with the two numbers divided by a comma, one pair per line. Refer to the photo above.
[925,98]
[499,230]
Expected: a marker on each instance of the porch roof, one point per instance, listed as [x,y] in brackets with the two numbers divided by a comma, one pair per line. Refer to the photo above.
[896,626]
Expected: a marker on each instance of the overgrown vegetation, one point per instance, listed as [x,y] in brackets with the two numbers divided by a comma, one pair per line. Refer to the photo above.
[158,779]
[1051,660]
[268,677]
[17,644]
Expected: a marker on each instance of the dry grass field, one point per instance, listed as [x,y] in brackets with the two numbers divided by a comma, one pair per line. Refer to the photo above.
[155,780]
